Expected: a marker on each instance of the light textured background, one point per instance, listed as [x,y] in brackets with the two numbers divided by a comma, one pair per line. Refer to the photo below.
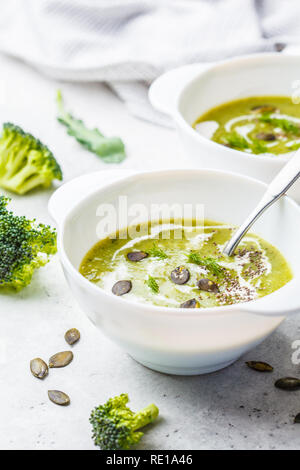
[235,408]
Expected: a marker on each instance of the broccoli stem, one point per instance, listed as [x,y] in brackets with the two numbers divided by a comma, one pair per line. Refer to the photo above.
[15,158]
[24,180]
[145,416]
[31,183]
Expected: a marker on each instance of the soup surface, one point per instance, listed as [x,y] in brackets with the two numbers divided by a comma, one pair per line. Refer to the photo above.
[171,265]
[259,125]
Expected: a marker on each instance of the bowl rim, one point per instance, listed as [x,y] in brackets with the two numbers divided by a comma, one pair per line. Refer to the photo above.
[178,117]
[237,308]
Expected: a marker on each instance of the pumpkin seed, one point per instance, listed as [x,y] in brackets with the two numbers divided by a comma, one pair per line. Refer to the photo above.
[180,275]
[192,303]
[58,397]
[39,368]
[259,366]
[267,136]
[136,255]
[72,336]
[297,418]
[122,287]
[61,359]
[264,108]
[208,285]
[288,383]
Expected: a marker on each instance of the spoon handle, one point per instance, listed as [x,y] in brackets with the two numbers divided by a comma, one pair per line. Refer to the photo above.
[277,188]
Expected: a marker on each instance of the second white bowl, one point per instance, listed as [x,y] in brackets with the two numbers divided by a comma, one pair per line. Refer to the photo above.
[186,93]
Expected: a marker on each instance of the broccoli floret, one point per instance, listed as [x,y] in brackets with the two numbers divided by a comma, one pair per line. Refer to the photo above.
[115,425]
[25,162]
[24,247]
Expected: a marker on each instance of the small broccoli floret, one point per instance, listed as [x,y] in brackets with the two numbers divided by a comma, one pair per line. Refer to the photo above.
[24,247]
[115,425]
[25,162]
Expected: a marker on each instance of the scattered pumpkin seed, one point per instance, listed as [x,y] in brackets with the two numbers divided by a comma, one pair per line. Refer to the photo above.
[208,285]
[259,366]
[39,368]
[297,418]
[288,383]
[72,336]
[192,303]
[180,275]
[61,359]
[136,255]
[58,397]
[121,287]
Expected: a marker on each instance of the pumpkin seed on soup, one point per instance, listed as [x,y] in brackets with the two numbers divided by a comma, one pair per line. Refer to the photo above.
[180,275]
[208,286]
[192,303]
[38,368]
[136,255]
[264,108]
[58,397]
[259,366]
[288,383]
[61,359]
[72,336]
[267,136]
[121,287]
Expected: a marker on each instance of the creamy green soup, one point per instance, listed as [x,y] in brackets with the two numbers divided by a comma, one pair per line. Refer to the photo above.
[259,125]
[172,266]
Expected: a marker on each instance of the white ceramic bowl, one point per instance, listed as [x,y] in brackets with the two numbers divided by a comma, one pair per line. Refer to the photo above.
[186,93]
[175,340]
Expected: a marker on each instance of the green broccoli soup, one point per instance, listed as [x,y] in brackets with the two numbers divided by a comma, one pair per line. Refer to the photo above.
[259,125]
[183,266]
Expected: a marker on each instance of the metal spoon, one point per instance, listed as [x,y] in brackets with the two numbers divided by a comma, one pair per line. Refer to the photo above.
[277,188]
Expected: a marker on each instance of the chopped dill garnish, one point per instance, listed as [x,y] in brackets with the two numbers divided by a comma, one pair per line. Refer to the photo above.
[152,283]
[284,124]
[209,263]
[294,147]
[157,252]
[258,147]
[236,141]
